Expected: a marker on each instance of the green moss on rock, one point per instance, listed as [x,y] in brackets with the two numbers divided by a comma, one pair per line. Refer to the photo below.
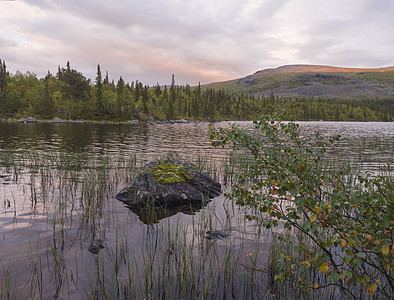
[169,173]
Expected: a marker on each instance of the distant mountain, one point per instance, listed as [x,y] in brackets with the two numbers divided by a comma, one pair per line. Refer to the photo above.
[315,81]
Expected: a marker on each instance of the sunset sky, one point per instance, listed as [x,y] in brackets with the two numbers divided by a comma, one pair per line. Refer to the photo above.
[197,40]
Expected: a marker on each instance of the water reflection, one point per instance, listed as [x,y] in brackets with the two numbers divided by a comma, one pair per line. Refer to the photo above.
[152,213]
[368,143]
[145,141]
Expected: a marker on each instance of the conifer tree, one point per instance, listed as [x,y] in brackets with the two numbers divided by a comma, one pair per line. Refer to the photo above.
[196,102]
[145,99]
[99,94]
[59,73]
[3,86]
[172,89]
[106,79]
[157,90]
[75,85]
[48,105]
[120,95]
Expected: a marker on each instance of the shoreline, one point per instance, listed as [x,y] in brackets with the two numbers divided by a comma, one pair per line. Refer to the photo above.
[31,120]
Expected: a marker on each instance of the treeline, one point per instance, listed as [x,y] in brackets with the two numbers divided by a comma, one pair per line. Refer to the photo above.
[70,95]
[342,109]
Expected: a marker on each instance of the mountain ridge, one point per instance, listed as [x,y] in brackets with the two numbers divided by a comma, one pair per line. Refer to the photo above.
[302,80]
[303,68]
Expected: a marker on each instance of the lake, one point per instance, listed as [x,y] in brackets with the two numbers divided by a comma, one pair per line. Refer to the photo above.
[63,235]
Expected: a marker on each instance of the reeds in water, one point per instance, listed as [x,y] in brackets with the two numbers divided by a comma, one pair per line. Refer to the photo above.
[94,247]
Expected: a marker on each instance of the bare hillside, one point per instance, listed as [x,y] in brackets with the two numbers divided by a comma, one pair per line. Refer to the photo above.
[317,81]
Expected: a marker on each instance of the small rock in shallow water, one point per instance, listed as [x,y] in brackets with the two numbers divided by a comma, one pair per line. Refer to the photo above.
[217,234]
[95,246]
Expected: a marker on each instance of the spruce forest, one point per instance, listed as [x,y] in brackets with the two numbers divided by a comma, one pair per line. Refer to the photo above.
[70,95]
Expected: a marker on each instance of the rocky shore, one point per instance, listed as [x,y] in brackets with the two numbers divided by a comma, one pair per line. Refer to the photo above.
[31,120]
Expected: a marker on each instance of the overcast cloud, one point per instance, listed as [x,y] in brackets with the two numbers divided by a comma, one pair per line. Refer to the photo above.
[197,40]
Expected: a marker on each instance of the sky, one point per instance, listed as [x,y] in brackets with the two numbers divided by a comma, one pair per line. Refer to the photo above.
[196,40]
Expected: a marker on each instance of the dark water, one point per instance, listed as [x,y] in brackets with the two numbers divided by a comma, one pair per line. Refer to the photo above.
[50,174]
[370,144]
[144,141]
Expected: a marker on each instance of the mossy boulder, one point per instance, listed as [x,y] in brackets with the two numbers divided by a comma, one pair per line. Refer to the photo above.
[170,172]
[171,182]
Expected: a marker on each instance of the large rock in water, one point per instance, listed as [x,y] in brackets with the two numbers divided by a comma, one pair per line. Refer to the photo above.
[170,182]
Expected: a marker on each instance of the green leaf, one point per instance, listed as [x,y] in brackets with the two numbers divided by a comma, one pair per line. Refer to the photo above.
[357,262]
[347,259]
[306,225]
[335,276]
[385,224]
[347,273]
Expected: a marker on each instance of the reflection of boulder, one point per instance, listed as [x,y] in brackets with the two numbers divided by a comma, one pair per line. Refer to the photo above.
[170,182]
[152,213]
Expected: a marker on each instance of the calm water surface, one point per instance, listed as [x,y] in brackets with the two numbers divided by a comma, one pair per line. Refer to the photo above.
[366,143]
[46,214]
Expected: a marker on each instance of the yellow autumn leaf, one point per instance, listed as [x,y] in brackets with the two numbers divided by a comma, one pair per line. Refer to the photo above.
[372,289]
[341,276]
[306,263]
[385,249]
[274,192]
[324,268]
[343,243]
[313,218]
[288,197]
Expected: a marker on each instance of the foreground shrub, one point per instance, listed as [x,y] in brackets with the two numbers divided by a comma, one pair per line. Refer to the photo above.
[337,228]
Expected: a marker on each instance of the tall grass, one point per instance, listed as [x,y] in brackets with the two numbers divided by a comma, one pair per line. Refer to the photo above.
[173,258]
